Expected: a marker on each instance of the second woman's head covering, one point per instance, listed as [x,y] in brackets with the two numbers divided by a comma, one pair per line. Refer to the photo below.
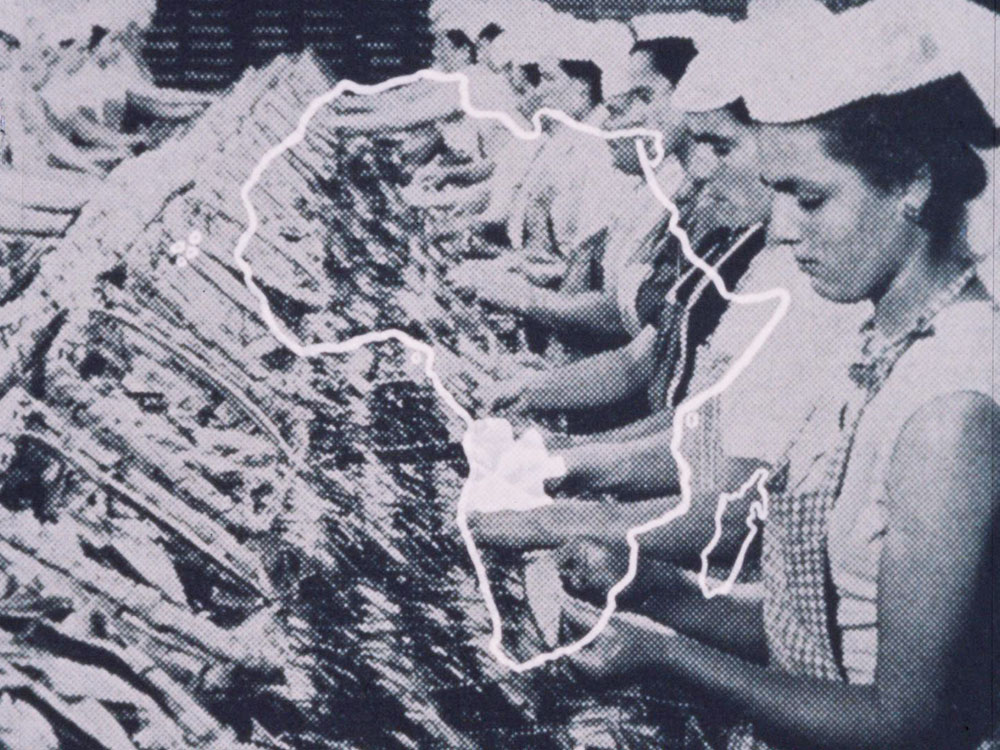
[882,48]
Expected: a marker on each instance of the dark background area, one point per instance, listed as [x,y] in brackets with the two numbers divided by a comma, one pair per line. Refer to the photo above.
[207,44]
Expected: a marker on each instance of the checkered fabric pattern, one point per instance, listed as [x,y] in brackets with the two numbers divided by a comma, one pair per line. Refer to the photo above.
[796,574]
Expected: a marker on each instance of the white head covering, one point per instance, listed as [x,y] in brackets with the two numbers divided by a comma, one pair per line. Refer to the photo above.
[607,44]
[55,20]
[538,33]
[806,69]
[710,85]
[548,34]
[727,51]
[963,32]
[467,16]
[712,79]
[689,24]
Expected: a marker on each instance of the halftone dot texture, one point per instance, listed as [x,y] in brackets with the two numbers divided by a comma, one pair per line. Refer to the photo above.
[251,550]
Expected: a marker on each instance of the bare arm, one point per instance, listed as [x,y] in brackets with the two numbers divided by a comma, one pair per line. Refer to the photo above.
[606,523]
[642,467]
[604,379]
[594,312]
[657,423]
[732,624]
[668,594]
[942,498]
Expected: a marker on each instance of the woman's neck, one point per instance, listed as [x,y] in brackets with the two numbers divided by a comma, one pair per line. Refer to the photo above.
[908,293]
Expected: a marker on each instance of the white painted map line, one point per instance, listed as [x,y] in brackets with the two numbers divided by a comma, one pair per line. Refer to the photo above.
[355,343]
[688,407]
[757,512]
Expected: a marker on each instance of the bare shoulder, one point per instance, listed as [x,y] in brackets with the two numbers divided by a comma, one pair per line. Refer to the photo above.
[943,460]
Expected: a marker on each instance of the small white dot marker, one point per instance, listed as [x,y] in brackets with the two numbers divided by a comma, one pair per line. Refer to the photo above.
[416,359]
[692,420]
[195,237]
[178,247]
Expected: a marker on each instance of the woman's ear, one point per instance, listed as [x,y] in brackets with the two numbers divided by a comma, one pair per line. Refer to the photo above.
[916,194]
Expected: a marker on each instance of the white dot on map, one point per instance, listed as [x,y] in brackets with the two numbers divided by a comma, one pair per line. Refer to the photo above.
[191,252]
[195,237]
[182,261]
[416,359]
[178,247]
[691,420]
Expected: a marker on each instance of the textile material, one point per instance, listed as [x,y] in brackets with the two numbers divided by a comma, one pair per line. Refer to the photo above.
[810,346]
[956,358]
[797,606]
[554,209]
[690,310]
[640,216]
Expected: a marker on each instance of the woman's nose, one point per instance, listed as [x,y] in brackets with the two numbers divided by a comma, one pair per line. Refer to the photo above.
[701,163]
[784,227]
[461,139]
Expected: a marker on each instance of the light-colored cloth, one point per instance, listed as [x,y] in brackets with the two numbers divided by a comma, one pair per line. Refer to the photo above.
[811,483]
[513,159]
[957,357]
[827,503]
[627,254]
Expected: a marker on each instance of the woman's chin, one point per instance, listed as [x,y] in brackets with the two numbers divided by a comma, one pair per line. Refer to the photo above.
[834,292]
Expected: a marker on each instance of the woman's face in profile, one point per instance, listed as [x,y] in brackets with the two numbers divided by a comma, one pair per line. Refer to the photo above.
[845,233]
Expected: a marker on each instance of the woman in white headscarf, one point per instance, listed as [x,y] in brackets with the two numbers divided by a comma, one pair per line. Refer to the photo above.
[877,564]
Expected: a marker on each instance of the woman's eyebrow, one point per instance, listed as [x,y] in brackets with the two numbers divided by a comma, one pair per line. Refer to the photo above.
[786,185]
[711,139]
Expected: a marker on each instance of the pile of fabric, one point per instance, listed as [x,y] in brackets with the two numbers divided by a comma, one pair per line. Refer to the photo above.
[77,100]
[210,542]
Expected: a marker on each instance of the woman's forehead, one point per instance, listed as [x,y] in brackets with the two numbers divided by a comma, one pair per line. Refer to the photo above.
[718,124]
[796,154]
[798,147]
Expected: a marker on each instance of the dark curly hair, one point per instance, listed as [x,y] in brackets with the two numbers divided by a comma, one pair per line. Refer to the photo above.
[892,139]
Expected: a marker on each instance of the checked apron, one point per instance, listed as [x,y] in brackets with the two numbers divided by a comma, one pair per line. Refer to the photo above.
[799,597]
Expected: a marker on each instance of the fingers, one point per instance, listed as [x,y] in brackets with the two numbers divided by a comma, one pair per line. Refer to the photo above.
[507,530]
[579,616]
[543,271]
[511,399]
[589,569]
[556,485]
[507,402]
[574,481]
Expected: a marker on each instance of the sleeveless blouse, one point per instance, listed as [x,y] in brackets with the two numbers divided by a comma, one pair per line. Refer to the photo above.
[957,357]
[953,354]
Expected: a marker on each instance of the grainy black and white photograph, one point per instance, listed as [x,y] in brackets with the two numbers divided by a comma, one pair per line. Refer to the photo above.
[499,374]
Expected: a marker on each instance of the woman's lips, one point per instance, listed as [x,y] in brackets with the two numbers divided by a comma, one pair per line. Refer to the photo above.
[808,265]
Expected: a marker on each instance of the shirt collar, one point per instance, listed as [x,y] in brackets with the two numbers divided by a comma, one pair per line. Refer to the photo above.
[879,353]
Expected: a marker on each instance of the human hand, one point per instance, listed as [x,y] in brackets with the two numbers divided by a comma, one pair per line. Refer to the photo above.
[590,568]
[627,646]
[429,178]
[588,469]
[507,290]
[508,397]
[557,442]
[542,271]
[467,274]
[512,530]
